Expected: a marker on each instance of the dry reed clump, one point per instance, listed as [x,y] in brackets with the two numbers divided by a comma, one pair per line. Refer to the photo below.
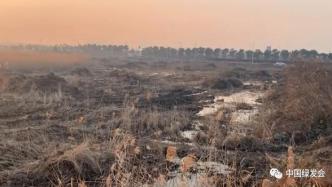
[78,163]
[302,102]
[121,161]
[63,168]
[212,133]
[214,129]
[153,122]
[294,161]
[13,154]
[135,165]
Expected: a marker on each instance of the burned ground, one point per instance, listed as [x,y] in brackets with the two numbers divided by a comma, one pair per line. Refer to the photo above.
[46,84]
[121,124]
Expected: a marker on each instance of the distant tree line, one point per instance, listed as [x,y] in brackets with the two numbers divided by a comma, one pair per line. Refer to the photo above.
[268,55]
[199,53]
[91,49]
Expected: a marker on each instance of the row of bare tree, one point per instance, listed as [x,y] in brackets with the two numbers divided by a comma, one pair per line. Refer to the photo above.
[268,55]
[233,54]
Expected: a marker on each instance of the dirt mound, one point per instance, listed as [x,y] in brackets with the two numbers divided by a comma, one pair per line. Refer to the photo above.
[211,65]
[224,84]
[244,74]
[126,76]
[81,72]
[45,84]
[239,73]
[261,75]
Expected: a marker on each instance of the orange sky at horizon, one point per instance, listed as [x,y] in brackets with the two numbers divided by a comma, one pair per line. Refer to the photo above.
[178,23]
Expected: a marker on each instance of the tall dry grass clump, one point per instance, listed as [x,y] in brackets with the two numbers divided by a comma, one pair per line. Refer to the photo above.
[153,122]
[302,101]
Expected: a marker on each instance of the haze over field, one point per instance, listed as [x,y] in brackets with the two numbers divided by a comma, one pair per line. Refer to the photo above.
[186,23]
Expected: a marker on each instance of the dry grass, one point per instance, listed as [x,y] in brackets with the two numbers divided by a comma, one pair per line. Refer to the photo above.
[54,140]
[153,122]
[305,97]
[293,161]
[300,106]
[301,103]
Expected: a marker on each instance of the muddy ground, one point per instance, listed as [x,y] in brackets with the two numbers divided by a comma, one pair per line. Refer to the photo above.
[125,123]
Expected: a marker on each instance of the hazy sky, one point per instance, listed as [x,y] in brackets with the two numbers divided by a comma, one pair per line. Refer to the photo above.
[179,23]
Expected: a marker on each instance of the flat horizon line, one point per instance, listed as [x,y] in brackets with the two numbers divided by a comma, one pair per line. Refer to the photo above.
[131,47]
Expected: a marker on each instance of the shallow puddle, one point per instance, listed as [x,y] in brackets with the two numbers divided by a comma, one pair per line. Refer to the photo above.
[247,97]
